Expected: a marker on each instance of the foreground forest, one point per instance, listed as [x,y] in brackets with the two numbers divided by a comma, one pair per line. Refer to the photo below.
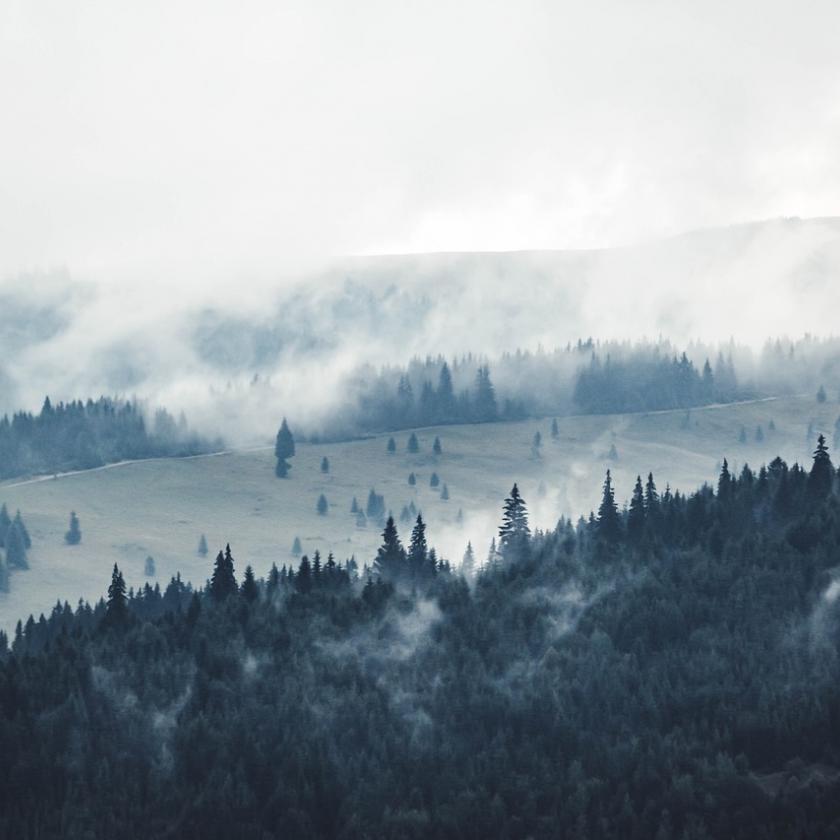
[666,670]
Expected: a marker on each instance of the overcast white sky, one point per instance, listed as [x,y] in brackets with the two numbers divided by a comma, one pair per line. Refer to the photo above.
[251,133]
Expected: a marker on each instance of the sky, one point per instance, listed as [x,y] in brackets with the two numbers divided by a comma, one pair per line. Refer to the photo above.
[187,140]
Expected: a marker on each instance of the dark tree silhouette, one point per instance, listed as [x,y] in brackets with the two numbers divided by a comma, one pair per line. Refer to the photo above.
[284,448]
[609,523]
[74,533]
[514,531]
[223,581]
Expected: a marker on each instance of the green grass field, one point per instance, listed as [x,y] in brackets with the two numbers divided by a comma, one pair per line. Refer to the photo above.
[160,508]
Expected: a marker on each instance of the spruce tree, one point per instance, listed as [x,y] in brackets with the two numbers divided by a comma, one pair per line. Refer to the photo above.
[322,506]
[284,448]
[609,523]
[444,493]
[18,521]
[149,567]
[486,410]
[392,446]
[325,464]
[390,559]
[74,533]
[468,562]
[412,479]
[249,589]
[436,447]
[536,444]
[16,548]
[434,481]
[555,429]
[636,513]
[413,444]
[303,578]
[223,581]
[514,531]
[4,579]
[821,477]
[651,497]
[445,396]
[354,507]
[418,548]
[296,547]
[202,546]
[117,606]
[5,524]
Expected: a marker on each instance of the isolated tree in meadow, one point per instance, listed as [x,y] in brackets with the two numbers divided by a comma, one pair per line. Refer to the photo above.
[325,464]
[74,533]
[468,562]
[390,558]
[821,477]
[322,506]
[392,446]
[555,429]
[202,546]
[636,513]
[459,517]
[742,435]
[436,447]
[821,395]
[284,448]
[444,493]
[434,481]
[413,444]
[16,549]
[296,547]
[249,590]
[412,479]
[149,567]
[514,530]
[354,507]
[609,523]
[772,425]
[18,521]
[223,581]
[116,608]
[759,434]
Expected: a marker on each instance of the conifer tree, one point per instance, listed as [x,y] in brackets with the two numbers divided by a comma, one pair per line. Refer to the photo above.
[742,435]
[724,481]
[273,583]
[323,505]
[468,562]
[444,493]
[5,524]
[405,516]
[303,578]
[316,568]
[555,429]
[223,582]
[149,567]
[18,521]
[486,410]
[651,497]
[325,464]
[821,394]
[412,479]
[434,481]
[4,579]
[536,444]
[636,513]
[390,559]
[392,446]
[74,533]
[116,608]
[821,477]
[296,547]
[354,507]
[514,531]
[445,396]
[284,448]
[413,444]
[249,589]
[436,447]
[418,548]
[202,546]
[609,523]
[16,548]
[759,434]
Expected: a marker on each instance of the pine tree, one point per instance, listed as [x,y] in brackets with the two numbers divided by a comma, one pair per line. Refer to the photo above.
[444,493]
[296,547]
[445,396]
[413,444]
[555,429]
[392,446]
[116,608]
[514,531]
[436,447]
[149,567]
[636,513]
[536,444]
[4,580]
[468,562]
[486,410]
[18,521]
[202,546]
[651,497]
[609,523]
[354,507]
[16,548]
[390,559]
[249,589]
[5,524]
[74,534]
[412,479]
[418,548]
[434,481]
[223,582]
[284,448]
[325,464]
[323,505]
[316,568]
[303,578]
[821,477]
[724,481]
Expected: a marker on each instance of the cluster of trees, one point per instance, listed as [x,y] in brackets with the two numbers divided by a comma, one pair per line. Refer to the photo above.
[81,435]
[668,669]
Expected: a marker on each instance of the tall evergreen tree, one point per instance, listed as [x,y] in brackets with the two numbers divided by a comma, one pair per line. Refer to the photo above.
[322,506]
[821,477]
[413,444]
[514,531]
[202,546]
[6,521]
[468,562]
[284,448]
[651,497]
[418,549]
[116,608]
[16,548]
[390,559]
[18,521]
[296,547]
[609,522]
[303,578]
[249,589]
[74,532]
[486,410]
[325,464]
[445,396]
[223,581]
[636,513]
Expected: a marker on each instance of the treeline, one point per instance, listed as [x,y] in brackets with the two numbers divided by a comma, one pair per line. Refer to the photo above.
[586,377]
[668,669]
[81,435]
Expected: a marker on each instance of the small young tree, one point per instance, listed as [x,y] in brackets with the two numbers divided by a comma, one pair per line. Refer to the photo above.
[322,506]
[296,547]
[413,444]
[284,448]
[444,494]
[821,395]
[459,517]
[436,447]
[149,567]
[742,435]
[202,546]
[325,464]
[354,507]
[434,481]
[74,533]
[392,446]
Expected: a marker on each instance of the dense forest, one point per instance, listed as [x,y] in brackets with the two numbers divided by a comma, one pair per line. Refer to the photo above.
[665,669]
[80,435]
[585,378]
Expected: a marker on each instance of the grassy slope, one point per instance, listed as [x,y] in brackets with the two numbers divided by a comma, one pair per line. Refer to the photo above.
[161,507]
